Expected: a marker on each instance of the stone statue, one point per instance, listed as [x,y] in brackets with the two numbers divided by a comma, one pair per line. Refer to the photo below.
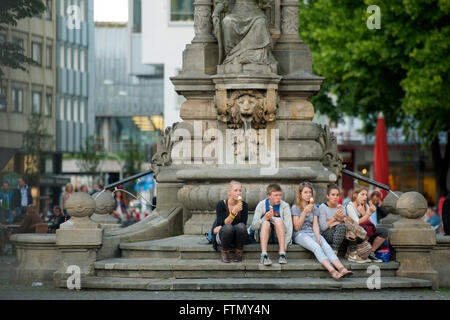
[243,34]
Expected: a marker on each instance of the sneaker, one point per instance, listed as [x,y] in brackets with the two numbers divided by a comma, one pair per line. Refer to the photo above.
[265,260]
[353,257]
[282,259]
[374,258]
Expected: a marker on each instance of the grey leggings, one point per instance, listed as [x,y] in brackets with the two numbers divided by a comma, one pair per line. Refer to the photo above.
[336,237]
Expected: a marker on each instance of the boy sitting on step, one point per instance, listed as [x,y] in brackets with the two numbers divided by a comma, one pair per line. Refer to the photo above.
[273,216]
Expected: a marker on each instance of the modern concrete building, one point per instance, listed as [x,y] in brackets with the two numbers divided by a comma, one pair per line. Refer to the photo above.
[166,27]
[75,67]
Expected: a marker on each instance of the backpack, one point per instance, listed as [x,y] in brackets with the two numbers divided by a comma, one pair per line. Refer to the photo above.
[210,237]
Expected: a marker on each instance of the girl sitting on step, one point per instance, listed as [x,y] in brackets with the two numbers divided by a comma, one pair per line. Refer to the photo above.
[305,218]
[231,230]
[332,226]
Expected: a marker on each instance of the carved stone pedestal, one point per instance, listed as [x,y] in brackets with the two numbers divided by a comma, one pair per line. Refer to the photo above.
[78,242]
[413,239]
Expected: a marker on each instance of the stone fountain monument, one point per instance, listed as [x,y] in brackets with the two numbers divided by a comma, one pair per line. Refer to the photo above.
[247,78]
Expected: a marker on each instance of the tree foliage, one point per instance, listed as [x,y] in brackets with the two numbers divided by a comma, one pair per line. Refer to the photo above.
[11,11]
[400,69]
[37,142]
[90,155]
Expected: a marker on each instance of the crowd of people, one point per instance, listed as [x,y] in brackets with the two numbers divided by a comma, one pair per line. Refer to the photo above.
[346,225]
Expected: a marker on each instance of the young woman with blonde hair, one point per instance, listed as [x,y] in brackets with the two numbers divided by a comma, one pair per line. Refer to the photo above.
[231,223]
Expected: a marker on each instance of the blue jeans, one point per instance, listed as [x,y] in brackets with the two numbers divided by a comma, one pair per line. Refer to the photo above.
[309,241]
[7,216]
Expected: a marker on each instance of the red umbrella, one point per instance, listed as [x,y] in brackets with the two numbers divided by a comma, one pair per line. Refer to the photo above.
[380,155]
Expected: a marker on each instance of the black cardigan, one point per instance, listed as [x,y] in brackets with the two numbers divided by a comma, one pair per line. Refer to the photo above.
[222,213]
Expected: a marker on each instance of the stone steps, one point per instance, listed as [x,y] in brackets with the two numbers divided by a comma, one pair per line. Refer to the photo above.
[196,247]
[203,268]
[220,284]
[188,262]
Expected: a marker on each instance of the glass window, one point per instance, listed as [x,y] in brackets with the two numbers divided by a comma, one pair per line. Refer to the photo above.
[82,61]
[3,103]
[61,108]
[17,99]
[82,113]
[18,41]
[137,22]
[36,52]
[69,58]
[182,10]
[48,105]
[61,56]
[48,56]
[2,38]
[75,59]
[48,10]
[75,111]
[36,102]
[62,8]
[69,110]
[82,11]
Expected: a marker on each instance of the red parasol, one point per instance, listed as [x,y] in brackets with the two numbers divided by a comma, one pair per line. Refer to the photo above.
[380,155]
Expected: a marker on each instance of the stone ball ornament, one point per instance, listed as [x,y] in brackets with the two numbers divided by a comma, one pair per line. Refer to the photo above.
[412,205]
[104,203]
[390,202]
[79,205]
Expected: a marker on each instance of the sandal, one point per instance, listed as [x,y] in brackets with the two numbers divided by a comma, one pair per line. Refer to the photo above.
[335,275]
[344,272]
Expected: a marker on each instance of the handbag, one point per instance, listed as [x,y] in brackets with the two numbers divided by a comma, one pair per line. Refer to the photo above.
[369,227]
[354,230]
[363,249]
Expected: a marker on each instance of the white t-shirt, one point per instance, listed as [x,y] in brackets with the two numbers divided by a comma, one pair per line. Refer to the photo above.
[353,213]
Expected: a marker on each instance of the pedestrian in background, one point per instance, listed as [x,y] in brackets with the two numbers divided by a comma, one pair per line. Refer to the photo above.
[21,200]
[6,207]
[68,192]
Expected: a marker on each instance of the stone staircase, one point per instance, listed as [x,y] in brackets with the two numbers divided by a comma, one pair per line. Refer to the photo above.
[188,262]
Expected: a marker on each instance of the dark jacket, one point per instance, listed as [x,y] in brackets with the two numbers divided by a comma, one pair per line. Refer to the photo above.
[17,197]
[55,222]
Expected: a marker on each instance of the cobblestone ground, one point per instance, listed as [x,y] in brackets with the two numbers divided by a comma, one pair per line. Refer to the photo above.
[48,292]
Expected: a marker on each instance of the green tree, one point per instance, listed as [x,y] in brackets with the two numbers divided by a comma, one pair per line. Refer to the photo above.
[400,69]
[90,155]
[37,143]
[11,11]
[133,157]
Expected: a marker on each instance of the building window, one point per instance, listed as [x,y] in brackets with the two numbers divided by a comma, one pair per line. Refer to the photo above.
[48,56]
[2,38]
[69,58]
[75,110]
[82,11]
[75,59]
[18,41]
[36,102]
[69,110]
[82,112]
[182,10]
[3,103]
[36,52]
[61,108]
[48,105]
[61,56]
[17,100]
[48,10]
[82,61]
[137,19]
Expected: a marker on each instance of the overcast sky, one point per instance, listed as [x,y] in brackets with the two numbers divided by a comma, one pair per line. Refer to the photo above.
[111,10]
